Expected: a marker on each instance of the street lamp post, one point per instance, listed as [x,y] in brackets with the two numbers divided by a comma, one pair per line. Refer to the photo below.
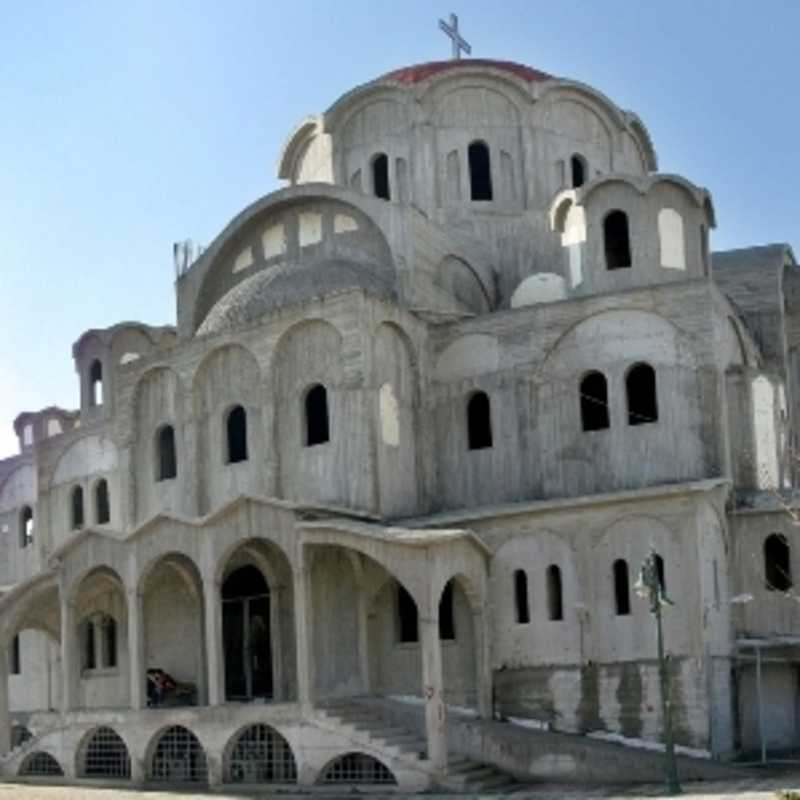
[649,586]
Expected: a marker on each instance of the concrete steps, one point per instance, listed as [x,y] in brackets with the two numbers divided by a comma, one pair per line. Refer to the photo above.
[463,774]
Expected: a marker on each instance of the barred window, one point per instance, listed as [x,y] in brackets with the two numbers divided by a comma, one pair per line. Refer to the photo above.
[357,768]
[261,755]
[105,756]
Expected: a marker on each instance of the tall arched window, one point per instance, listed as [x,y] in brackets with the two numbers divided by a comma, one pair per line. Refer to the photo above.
[77,507]
[555,600]
[166,457]
[96,383]
[640,388]
[380,176]
[447,620]
[661,572]
[25,526]
[15,667]
[578,167]
[523,615]
[622,592]
[317,422]
[407,616]
[777,563]
[480,171]
[617,240]
[594,402]
[102,506]
[236,428]
[479,421]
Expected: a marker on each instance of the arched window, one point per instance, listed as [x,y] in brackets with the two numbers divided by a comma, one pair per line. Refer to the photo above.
[98,636]
[479,421]
[594,402]
[622,593]
[25,526]
[89,645]
[317,423]
[640,387]
[15,667]
[578,165]
[105,756]
[660,571]
[407,616]
[777,563]
[523,615]
[447,622]
[380,176]
[555,600]
[96,383]
[236,425]
[670,238]
[77,507]
[178,757]
[102,506]
[480,171]
[617,240]
[166,461]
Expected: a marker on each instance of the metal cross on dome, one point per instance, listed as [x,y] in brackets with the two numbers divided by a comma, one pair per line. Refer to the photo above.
[451,30]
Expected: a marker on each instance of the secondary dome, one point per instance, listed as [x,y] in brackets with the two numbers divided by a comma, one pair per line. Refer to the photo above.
[420,72]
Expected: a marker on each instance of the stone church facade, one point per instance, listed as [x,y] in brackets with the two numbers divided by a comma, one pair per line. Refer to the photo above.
[425,412]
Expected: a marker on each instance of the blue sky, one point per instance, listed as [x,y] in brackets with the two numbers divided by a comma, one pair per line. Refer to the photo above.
[125,126]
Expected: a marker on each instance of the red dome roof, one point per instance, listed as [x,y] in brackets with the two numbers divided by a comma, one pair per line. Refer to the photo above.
[421,72]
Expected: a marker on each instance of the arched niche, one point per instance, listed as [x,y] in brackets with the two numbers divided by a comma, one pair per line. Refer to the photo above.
[544,287]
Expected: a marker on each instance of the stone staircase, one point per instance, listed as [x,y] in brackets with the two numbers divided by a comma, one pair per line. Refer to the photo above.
[463,774]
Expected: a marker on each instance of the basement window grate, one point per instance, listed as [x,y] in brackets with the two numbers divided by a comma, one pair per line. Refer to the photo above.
[41,764]
[179,758]
[106,756]
[261,755]
[357,768]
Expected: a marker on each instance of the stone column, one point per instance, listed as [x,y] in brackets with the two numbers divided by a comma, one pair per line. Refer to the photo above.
[303,610]
[69,651]
[363,638]
[214,648]
[433,689]
[138,677]
[5,720]
[483,663]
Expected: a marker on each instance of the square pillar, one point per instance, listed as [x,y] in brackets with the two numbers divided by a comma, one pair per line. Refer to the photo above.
[433,691]
[483,663]
[214,648]
[138,676]
[69,652]
[303,610]
[5,720]
[363,639]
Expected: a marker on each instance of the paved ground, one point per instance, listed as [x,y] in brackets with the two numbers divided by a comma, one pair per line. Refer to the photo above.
[765,788]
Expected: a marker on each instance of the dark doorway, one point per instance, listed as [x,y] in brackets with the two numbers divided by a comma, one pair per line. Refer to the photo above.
[246,635]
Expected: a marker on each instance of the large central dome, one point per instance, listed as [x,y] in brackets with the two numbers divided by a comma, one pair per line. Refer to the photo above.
[420,72]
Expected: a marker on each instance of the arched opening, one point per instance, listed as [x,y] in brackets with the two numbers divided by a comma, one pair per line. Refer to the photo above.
[246,634]
[178,757]
[260,755]
[317,422]
[104,755]
[407,617]
[622,593]
[236,427]
[15,659]
[578,168]
[447,618]
[479,421]
[777,563]
[480,171]
[175,674]
[380,176]
[617,240]
[96,383]
[555,600]
[640,388]
[77,508]
[166,457]
[26,526]
[523,615]
[41,765]
[98,636]
[357,768]
[102,506]
[594,402]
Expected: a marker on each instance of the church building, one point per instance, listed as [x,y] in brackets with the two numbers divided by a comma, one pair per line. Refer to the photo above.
[373,511]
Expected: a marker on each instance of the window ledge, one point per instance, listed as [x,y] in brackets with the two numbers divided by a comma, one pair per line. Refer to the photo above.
[99,672]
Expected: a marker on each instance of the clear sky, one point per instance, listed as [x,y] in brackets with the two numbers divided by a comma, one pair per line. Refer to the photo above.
[125,126]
